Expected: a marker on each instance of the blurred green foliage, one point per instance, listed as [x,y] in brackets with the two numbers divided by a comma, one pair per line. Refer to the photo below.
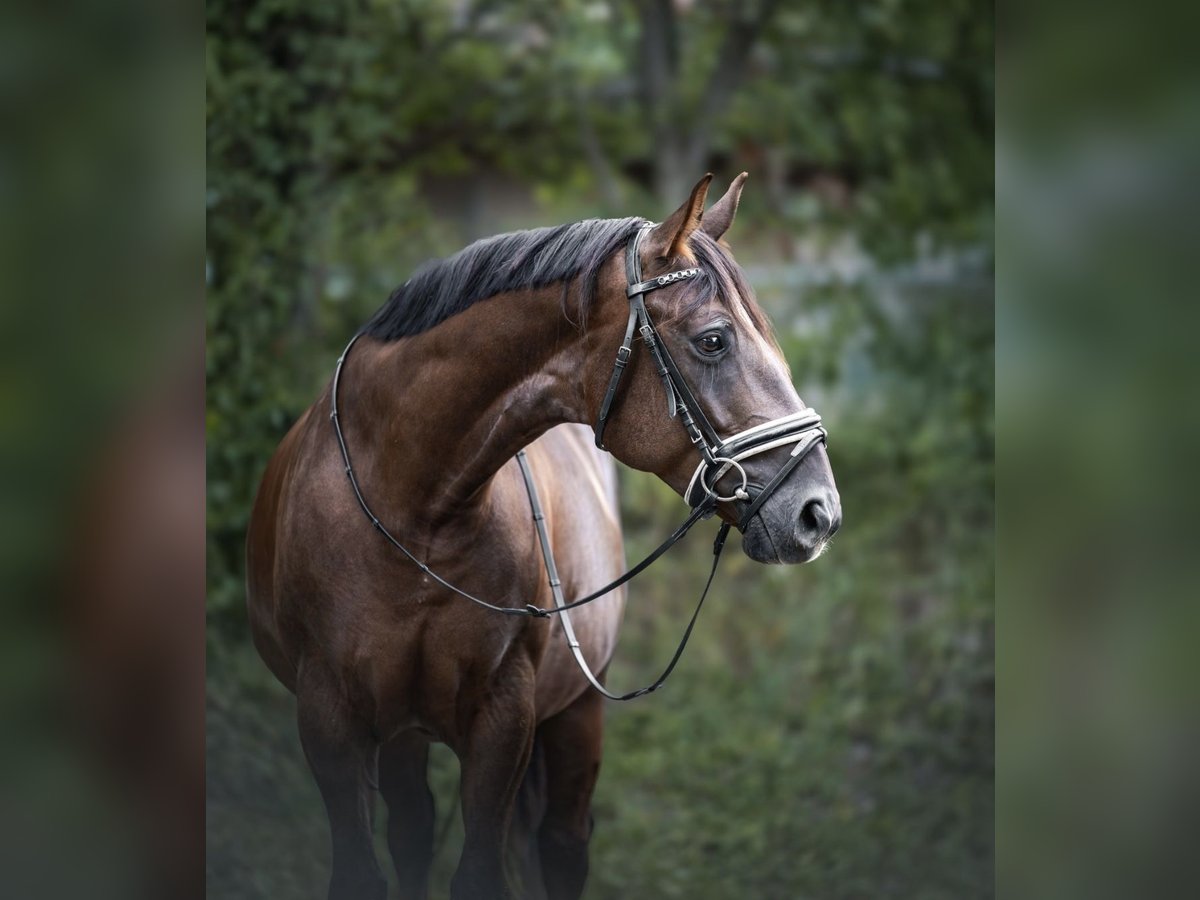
[829,733]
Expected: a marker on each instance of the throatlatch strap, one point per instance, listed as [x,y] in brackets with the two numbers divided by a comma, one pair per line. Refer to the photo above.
[539,521]
[680,399]
[623,353]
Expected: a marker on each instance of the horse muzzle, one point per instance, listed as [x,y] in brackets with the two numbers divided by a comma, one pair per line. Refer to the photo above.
[722,470]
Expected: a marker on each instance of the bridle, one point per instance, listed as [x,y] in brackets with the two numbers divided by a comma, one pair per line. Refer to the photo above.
[718,458]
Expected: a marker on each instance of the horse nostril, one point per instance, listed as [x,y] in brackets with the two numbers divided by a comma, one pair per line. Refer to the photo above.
[814,518]
[820,519]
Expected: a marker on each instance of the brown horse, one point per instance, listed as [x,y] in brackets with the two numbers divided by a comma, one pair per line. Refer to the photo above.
[474,358]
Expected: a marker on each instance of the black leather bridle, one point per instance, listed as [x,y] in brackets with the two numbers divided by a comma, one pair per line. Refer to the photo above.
[718,457]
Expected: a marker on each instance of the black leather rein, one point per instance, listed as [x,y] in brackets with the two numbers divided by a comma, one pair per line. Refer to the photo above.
[717,458]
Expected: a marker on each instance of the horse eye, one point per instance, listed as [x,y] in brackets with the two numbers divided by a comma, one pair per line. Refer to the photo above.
[711,343]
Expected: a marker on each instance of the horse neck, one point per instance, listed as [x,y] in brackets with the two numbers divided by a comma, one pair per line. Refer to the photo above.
[431,418]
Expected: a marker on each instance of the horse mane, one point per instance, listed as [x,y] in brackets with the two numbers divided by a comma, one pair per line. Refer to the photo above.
[525,260]
[520,260]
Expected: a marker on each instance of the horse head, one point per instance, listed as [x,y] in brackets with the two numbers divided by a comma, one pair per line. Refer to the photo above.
[713,413]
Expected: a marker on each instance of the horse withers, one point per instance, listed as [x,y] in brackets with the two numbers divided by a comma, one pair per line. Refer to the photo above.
[507,345]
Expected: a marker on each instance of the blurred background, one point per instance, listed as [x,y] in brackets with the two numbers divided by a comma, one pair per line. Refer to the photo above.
[830,731]
[856,753]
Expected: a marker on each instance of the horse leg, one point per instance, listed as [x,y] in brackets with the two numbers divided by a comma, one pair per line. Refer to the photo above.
[340,754]
[571,744]
[528,813]
[403,766]
[494,760]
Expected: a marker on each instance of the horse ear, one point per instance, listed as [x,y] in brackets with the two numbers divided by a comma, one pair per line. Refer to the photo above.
[670,238]
[718,219]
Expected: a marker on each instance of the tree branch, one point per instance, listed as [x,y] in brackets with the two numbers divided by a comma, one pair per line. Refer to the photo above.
[597,158]
[724,81]
[657,61]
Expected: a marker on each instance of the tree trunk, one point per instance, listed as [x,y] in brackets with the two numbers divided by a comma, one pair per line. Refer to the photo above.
[658,64]
[682,145]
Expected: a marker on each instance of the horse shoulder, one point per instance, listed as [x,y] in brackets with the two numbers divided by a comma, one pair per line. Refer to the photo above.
[580,487]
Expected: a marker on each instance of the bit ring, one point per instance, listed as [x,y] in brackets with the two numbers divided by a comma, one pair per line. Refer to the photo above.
[741,493]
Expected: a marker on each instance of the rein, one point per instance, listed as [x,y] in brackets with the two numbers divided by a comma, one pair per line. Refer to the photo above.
[718,457]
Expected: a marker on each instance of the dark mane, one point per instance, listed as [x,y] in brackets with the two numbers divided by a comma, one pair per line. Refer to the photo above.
[508,262]
[524,260]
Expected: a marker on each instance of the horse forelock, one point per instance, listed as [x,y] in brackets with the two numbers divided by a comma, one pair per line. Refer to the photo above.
[724,281]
